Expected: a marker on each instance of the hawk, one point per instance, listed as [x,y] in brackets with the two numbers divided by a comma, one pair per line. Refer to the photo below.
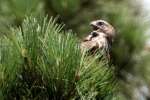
[104,27]
[101,37]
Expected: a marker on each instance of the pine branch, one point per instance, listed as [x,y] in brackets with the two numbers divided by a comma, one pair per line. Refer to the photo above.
[43,62]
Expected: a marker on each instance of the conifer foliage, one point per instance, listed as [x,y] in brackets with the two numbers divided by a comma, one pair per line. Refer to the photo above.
[39,62]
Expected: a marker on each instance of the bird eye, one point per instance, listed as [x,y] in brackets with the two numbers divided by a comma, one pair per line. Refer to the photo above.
[100,23]
[94,34]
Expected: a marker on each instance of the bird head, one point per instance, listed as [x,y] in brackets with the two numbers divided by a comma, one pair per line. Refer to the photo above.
[105,27]
[95,35]
[94,41]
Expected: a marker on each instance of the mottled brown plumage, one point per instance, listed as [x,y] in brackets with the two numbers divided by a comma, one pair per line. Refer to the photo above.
[100,38]
[104,27]
[95,41]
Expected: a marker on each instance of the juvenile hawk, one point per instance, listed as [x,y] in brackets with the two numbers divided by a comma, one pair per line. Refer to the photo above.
[100,38]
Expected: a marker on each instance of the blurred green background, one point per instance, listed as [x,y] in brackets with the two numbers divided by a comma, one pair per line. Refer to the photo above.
[130,59]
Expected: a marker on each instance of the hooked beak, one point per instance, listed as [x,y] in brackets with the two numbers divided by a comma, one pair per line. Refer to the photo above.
[94,25]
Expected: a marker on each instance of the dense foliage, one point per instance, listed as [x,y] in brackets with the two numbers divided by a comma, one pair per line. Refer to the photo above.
[128,56]
[39,62]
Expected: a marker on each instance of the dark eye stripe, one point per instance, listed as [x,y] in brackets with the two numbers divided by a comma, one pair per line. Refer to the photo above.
[100,23]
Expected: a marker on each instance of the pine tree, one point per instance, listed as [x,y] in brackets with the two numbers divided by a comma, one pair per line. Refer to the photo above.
[128,55]
[39,61]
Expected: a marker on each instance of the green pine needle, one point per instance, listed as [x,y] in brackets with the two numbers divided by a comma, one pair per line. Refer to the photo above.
[40,61]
